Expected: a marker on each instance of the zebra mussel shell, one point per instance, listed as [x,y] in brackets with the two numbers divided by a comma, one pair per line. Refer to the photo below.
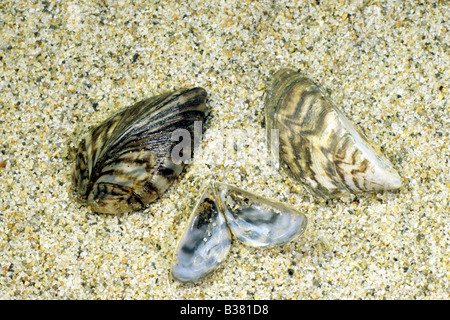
[205,243]
[257,221]
[224,211]
[126,163]
[318,145]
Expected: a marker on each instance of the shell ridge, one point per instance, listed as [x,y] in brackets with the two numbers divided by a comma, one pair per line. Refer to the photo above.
[149,109]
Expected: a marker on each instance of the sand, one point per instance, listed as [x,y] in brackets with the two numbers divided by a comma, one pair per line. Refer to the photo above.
[65,67]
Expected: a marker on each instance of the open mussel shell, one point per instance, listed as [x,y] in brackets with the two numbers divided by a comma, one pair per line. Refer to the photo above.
[205,243]
[318,145]
[126,162]
[257,221]
[252,219]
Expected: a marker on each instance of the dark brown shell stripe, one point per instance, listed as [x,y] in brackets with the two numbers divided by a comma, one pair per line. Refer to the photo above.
[315,142]
[125,163]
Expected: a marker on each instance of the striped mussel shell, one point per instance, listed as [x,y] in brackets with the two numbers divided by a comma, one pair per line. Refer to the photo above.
[224,211]
[126,162]
[318,145]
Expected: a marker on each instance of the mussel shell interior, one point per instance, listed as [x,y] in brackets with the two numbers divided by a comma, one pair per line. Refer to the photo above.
[257,221]
[205,243]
